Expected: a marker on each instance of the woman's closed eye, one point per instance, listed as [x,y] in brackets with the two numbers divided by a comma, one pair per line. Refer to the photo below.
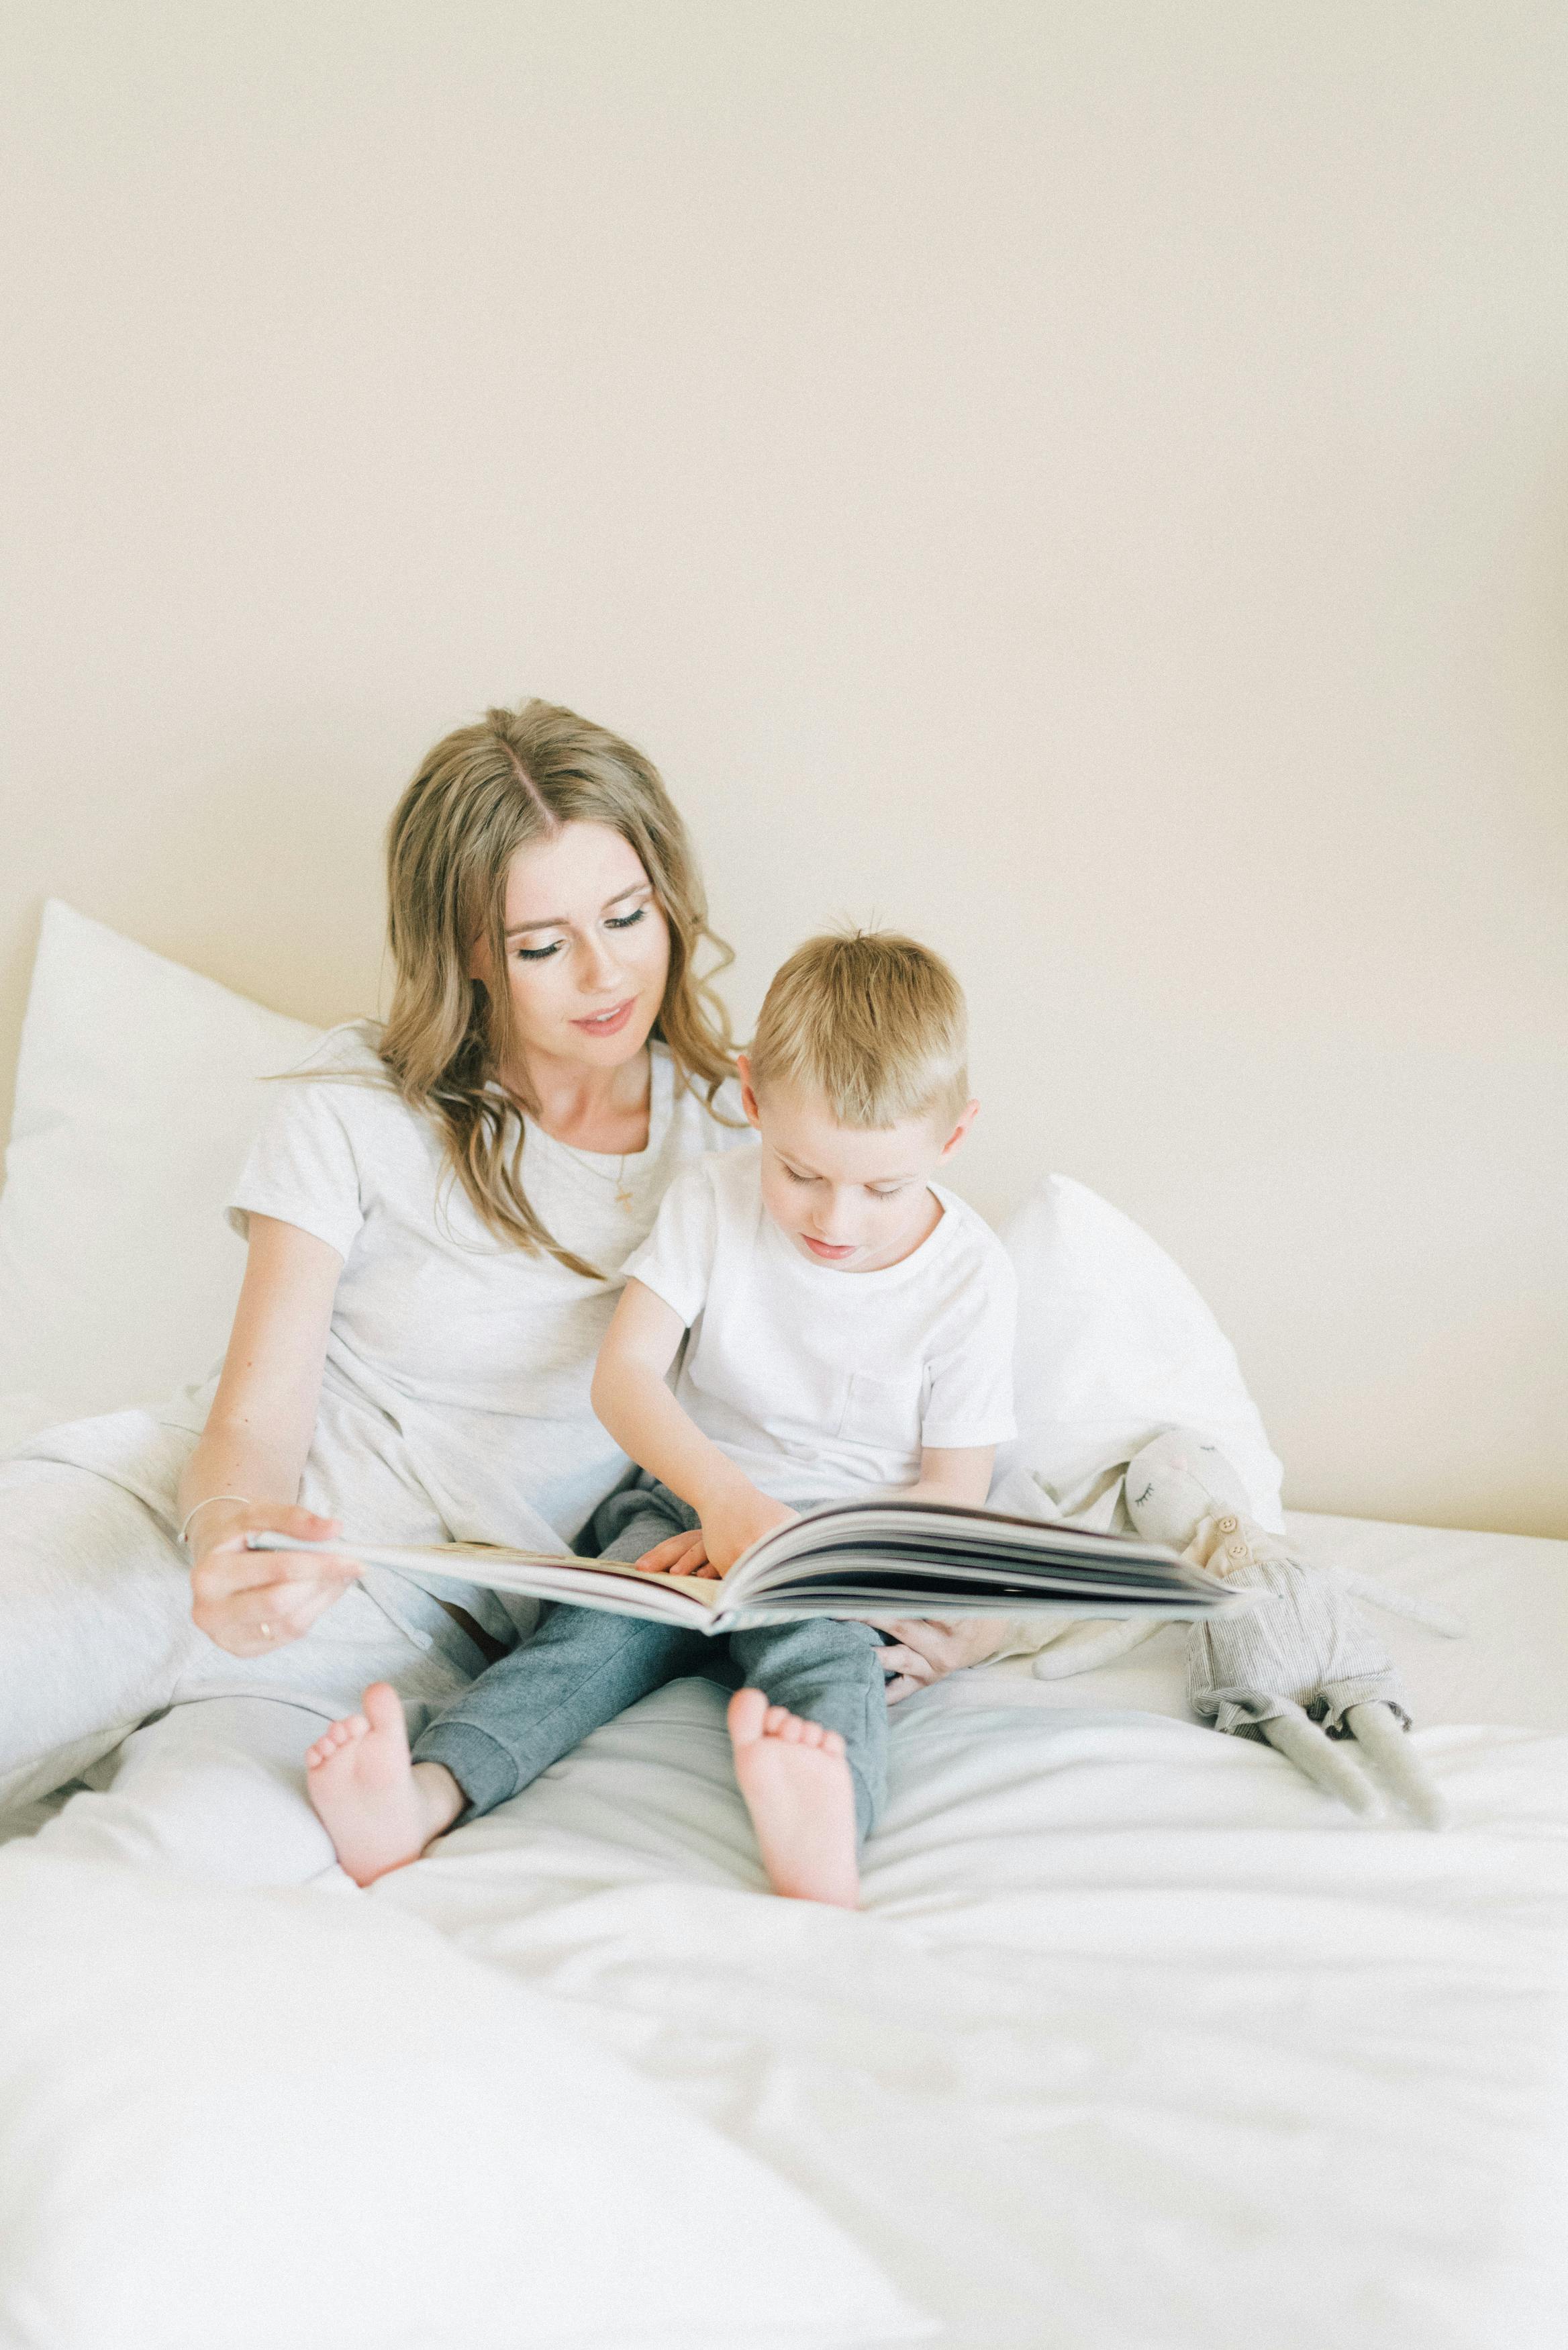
[613,922]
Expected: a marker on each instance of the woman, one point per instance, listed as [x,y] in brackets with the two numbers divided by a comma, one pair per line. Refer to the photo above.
[436,1215]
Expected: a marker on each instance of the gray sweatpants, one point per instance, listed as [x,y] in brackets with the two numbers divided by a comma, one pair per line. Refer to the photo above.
[584,1666]
[193,1760]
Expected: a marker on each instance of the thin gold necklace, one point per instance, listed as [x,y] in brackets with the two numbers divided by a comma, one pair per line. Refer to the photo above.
[623,1197]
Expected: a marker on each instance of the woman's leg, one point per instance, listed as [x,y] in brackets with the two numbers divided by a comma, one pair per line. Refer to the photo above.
[215,1785]
[95,1622]
[213,1789]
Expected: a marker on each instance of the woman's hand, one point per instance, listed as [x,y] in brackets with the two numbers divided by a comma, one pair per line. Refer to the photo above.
[924,1652]
[254,1601]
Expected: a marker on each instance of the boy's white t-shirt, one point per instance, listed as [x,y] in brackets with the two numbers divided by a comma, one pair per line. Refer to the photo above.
[822,1385]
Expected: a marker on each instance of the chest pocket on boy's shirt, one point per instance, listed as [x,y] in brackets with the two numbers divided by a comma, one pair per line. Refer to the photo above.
[885,1412]
[741,1377]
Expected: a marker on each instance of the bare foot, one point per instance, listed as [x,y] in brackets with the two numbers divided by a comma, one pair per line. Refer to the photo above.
[380,1807]
[801,1798]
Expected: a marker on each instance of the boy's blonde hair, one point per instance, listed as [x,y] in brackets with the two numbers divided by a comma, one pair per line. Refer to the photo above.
[871,1020]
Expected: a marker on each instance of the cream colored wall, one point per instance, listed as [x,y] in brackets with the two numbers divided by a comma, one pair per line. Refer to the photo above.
[1085,483]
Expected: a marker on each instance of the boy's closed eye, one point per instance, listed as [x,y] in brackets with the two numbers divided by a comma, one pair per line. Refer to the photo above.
[877,1191]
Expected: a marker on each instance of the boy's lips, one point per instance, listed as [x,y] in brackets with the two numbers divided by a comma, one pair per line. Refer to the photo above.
[606,1024]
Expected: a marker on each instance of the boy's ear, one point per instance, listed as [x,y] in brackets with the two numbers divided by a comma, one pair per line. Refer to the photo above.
[748,1091]
[966,1118]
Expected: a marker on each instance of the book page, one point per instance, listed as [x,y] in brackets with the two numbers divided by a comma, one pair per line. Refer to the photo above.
[537,1573]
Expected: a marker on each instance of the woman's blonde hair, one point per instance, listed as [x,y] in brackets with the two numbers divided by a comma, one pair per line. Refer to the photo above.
[872,1022]
[480,795]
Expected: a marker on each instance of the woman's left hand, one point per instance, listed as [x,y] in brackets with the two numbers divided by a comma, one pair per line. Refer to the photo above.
[924,1651]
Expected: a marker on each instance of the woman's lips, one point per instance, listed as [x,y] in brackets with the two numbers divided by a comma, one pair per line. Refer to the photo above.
[832,1250]
[607,1024]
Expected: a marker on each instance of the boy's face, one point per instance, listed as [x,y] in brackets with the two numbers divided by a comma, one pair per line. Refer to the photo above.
[854,1201]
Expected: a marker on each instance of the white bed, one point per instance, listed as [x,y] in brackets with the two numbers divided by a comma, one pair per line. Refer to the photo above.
[1137,2040]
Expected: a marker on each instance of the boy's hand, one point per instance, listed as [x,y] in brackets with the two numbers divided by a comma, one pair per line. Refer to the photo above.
[729,1526]
[678,1555]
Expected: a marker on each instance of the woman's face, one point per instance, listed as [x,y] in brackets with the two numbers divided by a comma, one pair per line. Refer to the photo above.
[587,949]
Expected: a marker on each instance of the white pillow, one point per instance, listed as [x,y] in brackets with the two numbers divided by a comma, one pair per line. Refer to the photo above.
[137,1099]
[1114,1344]
[278,2121]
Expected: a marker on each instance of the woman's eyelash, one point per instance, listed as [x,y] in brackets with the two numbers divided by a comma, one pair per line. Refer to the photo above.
[615,923]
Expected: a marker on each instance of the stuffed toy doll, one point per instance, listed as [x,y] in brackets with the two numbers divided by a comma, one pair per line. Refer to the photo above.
[1300,1667]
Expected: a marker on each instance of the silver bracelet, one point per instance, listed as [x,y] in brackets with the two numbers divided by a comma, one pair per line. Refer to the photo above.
[244,1498]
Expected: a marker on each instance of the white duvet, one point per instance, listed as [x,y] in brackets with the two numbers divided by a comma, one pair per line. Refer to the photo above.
[1135,2040]
[1138,2039]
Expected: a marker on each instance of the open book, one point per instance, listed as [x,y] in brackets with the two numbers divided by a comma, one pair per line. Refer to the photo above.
[884,1559]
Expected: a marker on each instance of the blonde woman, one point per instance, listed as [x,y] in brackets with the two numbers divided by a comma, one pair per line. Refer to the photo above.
[437,1212]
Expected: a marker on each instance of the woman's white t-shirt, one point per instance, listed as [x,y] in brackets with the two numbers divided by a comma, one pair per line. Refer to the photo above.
[455,1392]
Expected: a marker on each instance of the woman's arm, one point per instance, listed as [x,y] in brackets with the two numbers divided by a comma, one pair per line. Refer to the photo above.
[924,1652]
[633,1402]
[256,1444]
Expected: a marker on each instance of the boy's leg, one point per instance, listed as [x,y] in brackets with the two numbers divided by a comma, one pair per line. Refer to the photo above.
[382,1804]
[582,1667]
[809,1734]
[829,1671]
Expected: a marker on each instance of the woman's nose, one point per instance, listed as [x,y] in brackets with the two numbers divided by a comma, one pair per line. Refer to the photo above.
[600,968]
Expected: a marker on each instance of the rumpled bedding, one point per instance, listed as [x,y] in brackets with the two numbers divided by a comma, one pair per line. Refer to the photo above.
[1137,2041]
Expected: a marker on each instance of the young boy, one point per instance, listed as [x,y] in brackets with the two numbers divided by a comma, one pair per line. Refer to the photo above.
[849,1327]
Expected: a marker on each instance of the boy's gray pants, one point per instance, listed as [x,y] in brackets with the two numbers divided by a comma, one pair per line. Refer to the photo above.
[584,1666]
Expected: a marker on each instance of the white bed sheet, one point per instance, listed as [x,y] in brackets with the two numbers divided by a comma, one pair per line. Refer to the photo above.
[1138,2041]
